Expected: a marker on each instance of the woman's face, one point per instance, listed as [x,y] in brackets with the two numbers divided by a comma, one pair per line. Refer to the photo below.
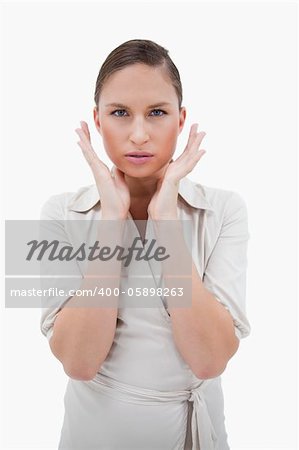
[138,111]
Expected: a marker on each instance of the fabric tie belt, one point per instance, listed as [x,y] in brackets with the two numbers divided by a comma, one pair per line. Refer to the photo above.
[202,431]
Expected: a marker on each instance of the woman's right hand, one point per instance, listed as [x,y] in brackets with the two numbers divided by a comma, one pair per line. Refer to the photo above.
[112,187]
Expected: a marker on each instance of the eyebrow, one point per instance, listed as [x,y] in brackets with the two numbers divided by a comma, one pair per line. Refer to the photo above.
[120,105]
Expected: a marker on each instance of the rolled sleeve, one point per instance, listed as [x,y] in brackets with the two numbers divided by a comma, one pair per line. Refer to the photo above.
[52,225]
[225,273]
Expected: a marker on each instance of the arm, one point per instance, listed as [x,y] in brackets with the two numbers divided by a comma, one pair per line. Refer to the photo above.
[83,335]
[206,333]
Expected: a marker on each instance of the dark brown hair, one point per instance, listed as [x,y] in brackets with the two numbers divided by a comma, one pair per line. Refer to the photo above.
[138,51]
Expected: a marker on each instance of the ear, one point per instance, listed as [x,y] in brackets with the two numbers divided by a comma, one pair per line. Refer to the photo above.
[182,118]
[96,120]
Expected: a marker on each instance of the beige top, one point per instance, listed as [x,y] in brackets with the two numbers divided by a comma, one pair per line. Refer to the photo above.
[143,366]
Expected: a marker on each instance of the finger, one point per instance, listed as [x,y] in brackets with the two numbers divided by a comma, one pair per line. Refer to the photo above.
[193,129]
[98,167]
[201,153]
[194,160]
[197,141]
[90,156]
[87,149]
[193,147]
[192,134]
[84,127]
[81,133]
[88,152]
[192,137]
[85,144]
[191,163]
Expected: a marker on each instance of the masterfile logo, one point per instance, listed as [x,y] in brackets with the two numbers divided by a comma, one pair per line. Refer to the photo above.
[48,261]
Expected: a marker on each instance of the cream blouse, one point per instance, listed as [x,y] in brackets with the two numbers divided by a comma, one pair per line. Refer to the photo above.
[144,367]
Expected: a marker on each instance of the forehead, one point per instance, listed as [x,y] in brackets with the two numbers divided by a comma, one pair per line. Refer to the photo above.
[138,81]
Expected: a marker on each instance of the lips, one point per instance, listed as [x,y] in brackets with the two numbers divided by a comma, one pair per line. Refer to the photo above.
[139,154]
[139,159]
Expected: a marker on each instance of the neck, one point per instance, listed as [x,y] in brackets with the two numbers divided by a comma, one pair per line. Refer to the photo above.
[144,188]
[141,188]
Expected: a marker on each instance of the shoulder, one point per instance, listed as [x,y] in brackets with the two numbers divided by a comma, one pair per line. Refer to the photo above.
[220,202]
[58,205]
[224,200]
[230,214]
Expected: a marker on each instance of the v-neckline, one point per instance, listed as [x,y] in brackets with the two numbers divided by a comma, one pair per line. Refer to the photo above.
[146,229]
[151,268]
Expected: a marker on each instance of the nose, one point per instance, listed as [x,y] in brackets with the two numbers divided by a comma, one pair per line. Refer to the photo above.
[139,134]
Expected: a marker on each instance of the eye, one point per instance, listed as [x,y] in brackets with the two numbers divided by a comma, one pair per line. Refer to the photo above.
[120,112]
[158,110]
[116,111]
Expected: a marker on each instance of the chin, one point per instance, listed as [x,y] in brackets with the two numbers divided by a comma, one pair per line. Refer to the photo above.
[142,172]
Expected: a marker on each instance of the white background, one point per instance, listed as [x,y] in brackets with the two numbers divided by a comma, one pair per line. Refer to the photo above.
[237,62]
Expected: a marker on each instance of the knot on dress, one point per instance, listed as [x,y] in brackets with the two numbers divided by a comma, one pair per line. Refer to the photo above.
[203,434]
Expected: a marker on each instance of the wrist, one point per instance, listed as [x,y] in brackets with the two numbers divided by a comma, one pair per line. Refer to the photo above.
[166,216]
[111,216]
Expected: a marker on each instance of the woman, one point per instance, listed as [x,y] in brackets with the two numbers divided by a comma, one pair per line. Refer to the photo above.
[148,377]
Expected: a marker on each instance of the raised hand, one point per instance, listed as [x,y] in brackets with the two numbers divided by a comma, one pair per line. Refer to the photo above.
[163,204]
[113,190]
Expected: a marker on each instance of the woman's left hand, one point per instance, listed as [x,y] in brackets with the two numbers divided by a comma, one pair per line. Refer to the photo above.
[163,204]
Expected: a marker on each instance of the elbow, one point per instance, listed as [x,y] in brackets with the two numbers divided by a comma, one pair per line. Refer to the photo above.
[72,365]
[215,369]
[80,372]
[205,373]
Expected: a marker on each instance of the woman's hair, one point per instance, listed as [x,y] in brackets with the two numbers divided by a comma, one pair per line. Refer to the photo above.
[138,51]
